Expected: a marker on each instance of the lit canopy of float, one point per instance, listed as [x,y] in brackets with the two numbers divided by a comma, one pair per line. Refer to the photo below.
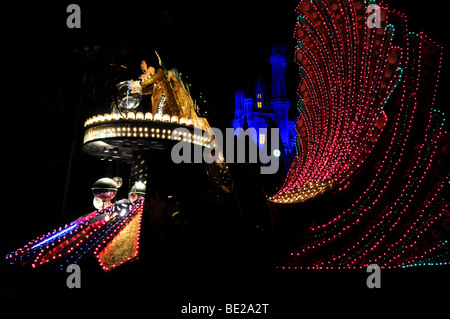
[114,136]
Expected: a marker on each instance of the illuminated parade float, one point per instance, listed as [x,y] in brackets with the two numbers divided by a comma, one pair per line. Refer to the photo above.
[369,181]
[145,140]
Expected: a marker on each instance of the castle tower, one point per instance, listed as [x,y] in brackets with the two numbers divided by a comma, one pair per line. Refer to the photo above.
[238,104]
[248,108]
[279,102]
[259,95]
[278,60]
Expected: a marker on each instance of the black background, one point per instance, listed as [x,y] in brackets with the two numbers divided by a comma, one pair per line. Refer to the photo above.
[221,45]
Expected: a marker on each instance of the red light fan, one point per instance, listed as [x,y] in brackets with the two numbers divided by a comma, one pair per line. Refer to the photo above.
[369,137]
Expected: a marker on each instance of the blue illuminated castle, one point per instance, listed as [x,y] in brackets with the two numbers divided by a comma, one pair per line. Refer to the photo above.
[257,110]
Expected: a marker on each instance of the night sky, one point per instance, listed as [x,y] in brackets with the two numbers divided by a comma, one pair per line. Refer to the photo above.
[220,45]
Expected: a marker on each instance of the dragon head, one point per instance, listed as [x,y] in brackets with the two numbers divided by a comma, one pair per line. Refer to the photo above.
[148,73]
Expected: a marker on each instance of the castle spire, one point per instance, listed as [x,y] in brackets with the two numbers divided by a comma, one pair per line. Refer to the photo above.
[280,103]
[259,94]
[278,60]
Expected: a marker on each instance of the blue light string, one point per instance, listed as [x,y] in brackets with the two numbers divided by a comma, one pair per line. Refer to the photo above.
[55,236]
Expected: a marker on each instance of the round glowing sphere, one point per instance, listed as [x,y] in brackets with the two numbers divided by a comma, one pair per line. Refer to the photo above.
[119,181]
[105,189]
[98,203]
[129,95]
[137,191]
[277,153]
